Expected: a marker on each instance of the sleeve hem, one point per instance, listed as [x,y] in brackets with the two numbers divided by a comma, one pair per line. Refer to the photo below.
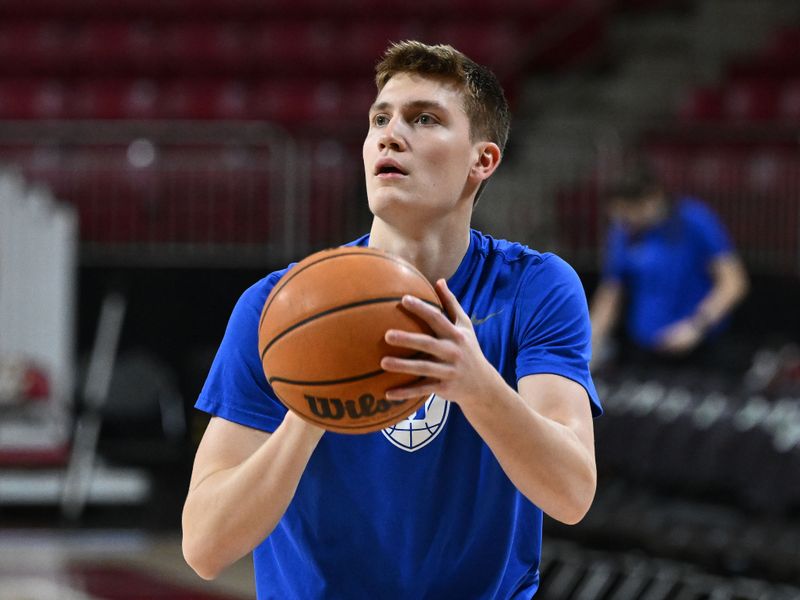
[594,401]
[262,422]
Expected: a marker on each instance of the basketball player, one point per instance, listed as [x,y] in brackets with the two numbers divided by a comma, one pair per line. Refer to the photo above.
[449,503]
[671,263]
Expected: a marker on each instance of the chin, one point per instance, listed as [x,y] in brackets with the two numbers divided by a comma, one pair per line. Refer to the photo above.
[399,208]
[390,206]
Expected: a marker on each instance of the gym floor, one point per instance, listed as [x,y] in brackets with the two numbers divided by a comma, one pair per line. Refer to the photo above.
[41,564]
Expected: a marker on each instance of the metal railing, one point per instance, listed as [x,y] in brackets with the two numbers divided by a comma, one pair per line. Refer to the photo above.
[241,194]
[749,176]
[188,193]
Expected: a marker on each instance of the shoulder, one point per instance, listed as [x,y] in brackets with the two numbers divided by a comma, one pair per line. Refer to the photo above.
[251,302]
[258,292]
[537,273]
[694,210]
[503,252]
[551,282]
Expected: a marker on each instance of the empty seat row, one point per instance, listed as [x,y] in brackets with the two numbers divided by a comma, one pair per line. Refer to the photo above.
[298,102]
[727,169]
[745,99]
[241,47]
[300,8]
[144,193]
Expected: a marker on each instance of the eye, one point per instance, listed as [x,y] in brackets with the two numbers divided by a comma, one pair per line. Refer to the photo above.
[380,120]
[426,119]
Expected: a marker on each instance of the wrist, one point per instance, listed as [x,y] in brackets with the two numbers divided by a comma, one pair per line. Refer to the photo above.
[302,427]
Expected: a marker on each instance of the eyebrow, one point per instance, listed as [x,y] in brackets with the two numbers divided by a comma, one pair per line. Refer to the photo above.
[414,104]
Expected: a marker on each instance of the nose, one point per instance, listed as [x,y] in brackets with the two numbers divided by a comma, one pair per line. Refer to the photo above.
[392,137]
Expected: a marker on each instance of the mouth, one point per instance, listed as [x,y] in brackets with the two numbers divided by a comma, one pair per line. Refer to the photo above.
[388,169]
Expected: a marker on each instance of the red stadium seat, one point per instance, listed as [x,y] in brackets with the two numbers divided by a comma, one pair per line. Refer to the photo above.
[702,104]
[789,101]
[495,44]
[204,99]
[28,47]
[358,97]
[113,99]
[31,99]
[363,41]
[295,46]
[772,170]
[200,202]
[293,102]
[750,100]
[114,47]
[201,47]
[670,163]
[716,169]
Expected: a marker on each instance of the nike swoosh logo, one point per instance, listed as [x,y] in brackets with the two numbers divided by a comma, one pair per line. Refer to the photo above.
[478,320]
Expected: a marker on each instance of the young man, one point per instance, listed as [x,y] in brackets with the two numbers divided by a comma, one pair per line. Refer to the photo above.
[453,507]
[673,262]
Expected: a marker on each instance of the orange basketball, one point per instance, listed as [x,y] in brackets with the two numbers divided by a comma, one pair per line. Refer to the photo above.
[321,337]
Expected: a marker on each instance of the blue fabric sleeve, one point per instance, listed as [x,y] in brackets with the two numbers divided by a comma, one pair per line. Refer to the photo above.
[614,263]
[236,388]
[711,234]
[553,331]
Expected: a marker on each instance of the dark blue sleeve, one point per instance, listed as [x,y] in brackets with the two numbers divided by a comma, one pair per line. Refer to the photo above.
[614,260]
[708,230]
[552,330]
[236,388]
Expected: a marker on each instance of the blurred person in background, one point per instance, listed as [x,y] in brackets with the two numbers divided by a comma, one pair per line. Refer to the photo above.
[670,266]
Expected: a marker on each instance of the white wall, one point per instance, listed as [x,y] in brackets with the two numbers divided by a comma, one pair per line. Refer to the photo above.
[38,269]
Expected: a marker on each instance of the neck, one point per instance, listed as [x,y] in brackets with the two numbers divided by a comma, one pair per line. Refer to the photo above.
[436,250]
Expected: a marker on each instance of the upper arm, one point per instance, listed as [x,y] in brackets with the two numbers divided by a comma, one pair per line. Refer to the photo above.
[561,400]
[553,332]
[224,445]
[728,269]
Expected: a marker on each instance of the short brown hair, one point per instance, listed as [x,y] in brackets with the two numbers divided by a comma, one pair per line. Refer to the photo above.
[636,182]
[484,100]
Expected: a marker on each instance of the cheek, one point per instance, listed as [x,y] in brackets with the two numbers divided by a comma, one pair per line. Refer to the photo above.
[365,149]
[446,161]
[367,158]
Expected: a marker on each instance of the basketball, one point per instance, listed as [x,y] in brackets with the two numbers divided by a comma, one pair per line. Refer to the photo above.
[321,337]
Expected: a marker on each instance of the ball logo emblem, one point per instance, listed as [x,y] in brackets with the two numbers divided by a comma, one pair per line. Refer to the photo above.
[420,428]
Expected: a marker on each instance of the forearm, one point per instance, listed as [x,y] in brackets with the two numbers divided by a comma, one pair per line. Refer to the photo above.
[721,300]
[544,459]
[604,311]
[231,511]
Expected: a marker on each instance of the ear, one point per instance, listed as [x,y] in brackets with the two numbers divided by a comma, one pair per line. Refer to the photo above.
[488,159]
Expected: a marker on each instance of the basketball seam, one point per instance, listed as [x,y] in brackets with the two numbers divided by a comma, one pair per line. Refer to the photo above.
[331,311]
[369,252]
[329,382]
[341,380]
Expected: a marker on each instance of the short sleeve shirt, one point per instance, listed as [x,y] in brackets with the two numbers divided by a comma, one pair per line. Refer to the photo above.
[421,509]
[665,271]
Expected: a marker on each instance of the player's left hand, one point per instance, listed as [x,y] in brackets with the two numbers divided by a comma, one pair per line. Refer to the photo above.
[455,367]
[680,337]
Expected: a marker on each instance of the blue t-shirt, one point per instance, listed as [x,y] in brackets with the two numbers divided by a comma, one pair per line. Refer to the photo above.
[422,509]
[665,270]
